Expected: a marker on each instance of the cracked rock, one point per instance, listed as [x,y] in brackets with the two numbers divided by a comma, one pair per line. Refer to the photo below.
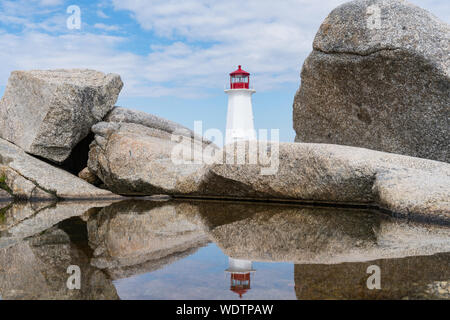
[47,113]
[22,188]
[32,177]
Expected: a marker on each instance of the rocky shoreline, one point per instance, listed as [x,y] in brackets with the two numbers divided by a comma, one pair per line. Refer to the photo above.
[63,138]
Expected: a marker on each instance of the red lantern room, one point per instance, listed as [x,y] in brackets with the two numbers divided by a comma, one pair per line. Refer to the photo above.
[239,79]
[240,283]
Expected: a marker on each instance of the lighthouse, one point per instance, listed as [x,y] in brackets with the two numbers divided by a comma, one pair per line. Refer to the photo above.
[240,125]
[240,271]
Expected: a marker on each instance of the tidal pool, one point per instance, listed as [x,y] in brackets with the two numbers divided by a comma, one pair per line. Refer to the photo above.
[140,249]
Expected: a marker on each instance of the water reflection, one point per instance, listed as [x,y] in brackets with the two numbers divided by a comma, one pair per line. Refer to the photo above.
[240,275]
[133,237]
[36,268]
[423,277]
[139,249]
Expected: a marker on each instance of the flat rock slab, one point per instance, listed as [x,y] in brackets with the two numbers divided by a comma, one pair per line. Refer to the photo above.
[410,191]
[411,187]
[382,86]
[52,180]
[47,113]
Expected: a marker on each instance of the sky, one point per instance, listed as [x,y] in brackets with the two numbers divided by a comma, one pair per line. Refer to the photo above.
[174,57]
[202,276]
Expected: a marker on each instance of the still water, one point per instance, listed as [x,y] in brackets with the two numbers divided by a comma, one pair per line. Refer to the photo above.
[137,249]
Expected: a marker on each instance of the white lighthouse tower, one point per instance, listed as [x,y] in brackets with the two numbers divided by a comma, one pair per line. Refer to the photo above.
[240,271]
[240,114]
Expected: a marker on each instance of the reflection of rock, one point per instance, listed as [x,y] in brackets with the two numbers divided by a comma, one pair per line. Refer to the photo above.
[139,236]
[421,277]
[25,219]
[5,197]
[440,289]
[136,236]
[316,235]
[36,268]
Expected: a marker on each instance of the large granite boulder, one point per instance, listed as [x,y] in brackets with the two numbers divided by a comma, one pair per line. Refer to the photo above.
[412,187]
[140,154]
[29,178]
[47,113]
[379,78]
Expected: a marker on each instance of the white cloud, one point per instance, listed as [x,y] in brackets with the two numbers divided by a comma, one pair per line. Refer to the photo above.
[269,38]
[202,41]
[105,27]
[34,50]
[51,2]
[33,15]
[102,15]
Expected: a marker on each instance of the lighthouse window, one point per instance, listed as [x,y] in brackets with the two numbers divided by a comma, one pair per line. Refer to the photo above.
[240,79]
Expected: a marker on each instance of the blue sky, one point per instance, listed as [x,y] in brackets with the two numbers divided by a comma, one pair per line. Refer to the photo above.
[174,56]
[202,276]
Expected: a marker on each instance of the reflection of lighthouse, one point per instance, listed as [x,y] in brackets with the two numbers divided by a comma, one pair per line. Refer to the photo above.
[240,275]
[240,114]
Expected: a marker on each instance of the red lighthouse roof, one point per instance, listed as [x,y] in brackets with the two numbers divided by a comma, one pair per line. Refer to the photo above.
[239,71]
